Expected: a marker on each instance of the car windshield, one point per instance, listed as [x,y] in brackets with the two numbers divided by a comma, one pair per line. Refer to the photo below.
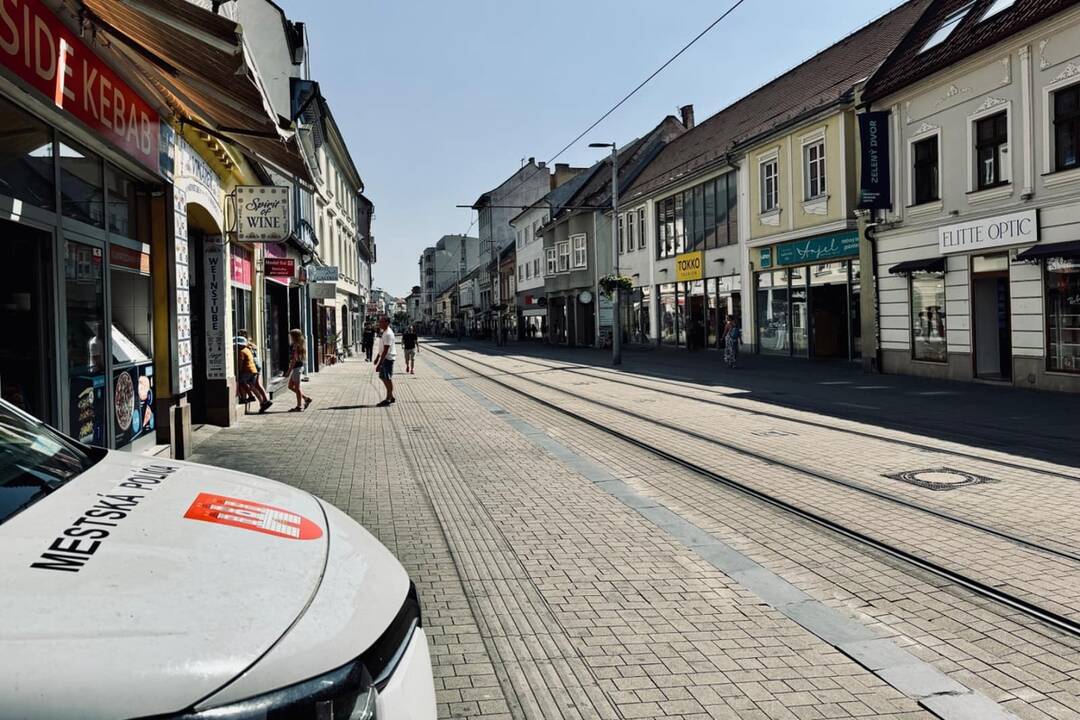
[34,460]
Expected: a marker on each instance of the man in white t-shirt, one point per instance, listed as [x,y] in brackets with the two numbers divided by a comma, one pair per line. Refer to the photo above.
[384,365]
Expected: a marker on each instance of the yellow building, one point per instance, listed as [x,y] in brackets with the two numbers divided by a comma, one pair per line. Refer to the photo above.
[804,241]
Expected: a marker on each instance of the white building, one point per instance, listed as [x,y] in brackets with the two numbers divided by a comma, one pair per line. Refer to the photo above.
[978,261]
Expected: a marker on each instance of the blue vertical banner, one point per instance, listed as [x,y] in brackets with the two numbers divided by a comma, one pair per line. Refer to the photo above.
[875,190]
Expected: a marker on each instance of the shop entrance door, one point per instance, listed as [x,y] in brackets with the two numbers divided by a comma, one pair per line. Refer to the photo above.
[829,321]
[26,358]
[695,328]
[990,307]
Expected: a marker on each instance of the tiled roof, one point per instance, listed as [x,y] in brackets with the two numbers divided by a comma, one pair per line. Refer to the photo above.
[633,158]
[826,78]
[908,64]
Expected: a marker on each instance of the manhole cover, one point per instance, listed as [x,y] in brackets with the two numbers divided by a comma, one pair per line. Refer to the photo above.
[940,478]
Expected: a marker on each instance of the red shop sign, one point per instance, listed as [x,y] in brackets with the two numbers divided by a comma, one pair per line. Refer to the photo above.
[37,47]
[279,267]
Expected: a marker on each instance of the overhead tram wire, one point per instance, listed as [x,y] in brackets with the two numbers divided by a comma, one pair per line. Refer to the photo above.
[632,93]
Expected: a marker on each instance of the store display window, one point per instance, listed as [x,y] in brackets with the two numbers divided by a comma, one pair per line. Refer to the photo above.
[81,188]
[26,158]
[772,313]
[1063,314]
[928,317]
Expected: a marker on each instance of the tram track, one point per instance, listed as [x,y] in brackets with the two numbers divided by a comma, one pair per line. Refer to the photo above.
[1059,621]
[620,379]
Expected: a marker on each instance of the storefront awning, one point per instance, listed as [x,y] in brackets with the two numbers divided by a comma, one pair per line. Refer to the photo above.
[198,59]
[1065,250]
[936,264]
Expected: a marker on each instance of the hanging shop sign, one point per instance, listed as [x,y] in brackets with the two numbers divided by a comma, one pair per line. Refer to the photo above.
[279,267]
[216,286]
[818,249]
[690,266]
[322,273]
[1020,228]
[49,57]
[875,192]
[322,291]
[263,213]
[184,379]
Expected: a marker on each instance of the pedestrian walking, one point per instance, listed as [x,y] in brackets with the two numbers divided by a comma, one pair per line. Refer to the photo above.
[410,343]
[249,369]
[297,361]
[732,338]
[367,342]
[384,365]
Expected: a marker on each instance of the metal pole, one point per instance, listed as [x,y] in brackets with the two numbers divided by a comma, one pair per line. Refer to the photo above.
[616,341]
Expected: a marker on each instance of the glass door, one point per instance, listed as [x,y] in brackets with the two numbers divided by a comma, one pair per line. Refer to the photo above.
[26,313]
[86,342]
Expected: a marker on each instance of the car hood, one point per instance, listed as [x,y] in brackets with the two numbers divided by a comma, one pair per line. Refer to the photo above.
[191,575]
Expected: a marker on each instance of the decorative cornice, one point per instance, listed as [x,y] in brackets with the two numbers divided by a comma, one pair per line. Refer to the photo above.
[1071,70]
[990,102]
[1006,65]
[952,92]
[1024,52]
[925,128]
[1043,62]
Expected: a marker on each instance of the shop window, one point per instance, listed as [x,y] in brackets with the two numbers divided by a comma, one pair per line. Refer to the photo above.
[26,158]
[669,334]
[123,198]
[925,170]
[814,161]
[800,322]
[991,148]
[86,341]
[1063,314]
[81,192]
[772,313]
[580,251]
[928,317]
[1067,128]
[770,187]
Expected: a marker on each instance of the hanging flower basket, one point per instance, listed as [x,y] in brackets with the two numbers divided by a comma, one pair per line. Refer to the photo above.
[610,283]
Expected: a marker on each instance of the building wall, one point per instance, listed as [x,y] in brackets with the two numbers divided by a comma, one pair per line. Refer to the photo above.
[797,213]
[1017,77]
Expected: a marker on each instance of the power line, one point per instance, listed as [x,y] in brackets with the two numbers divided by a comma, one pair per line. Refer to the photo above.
[630,94]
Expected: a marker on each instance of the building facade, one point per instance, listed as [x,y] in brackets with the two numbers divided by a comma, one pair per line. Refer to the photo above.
[979,258]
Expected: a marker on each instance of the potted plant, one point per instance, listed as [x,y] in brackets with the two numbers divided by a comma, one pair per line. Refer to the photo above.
[610,283]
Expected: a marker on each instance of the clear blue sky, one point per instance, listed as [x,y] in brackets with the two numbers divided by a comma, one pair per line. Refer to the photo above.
[440,100]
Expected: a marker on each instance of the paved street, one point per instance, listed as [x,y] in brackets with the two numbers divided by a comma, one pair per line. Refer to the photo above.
[567,573]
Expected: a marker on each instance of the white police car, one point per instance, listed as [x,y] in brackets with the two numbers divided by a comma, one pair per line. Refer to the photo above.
[137,588]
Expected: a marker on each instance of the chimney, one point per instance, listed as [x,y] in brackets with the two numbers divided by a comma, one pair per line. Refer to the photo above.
[687,112]
[531,160]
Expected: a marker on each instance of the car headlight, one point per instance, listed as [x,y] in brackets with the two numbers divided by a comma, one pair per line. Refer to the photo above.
[347,693]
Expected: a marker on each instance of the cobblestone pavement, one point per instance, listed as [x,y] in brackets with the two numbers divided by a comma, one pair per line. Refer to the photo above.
[546,596]
[1033,505]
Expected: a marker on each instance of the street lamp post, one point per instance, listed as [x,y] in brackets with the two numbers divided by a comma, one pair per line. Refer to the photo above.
[616,339]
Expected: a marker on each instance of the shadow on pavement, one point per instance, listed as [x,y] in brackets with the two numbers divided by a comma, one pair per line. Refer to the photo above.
[1028,423]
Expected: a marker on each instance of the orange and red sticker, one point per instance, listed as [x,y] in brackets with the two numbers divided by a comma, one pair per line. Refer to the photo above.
[252,516]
